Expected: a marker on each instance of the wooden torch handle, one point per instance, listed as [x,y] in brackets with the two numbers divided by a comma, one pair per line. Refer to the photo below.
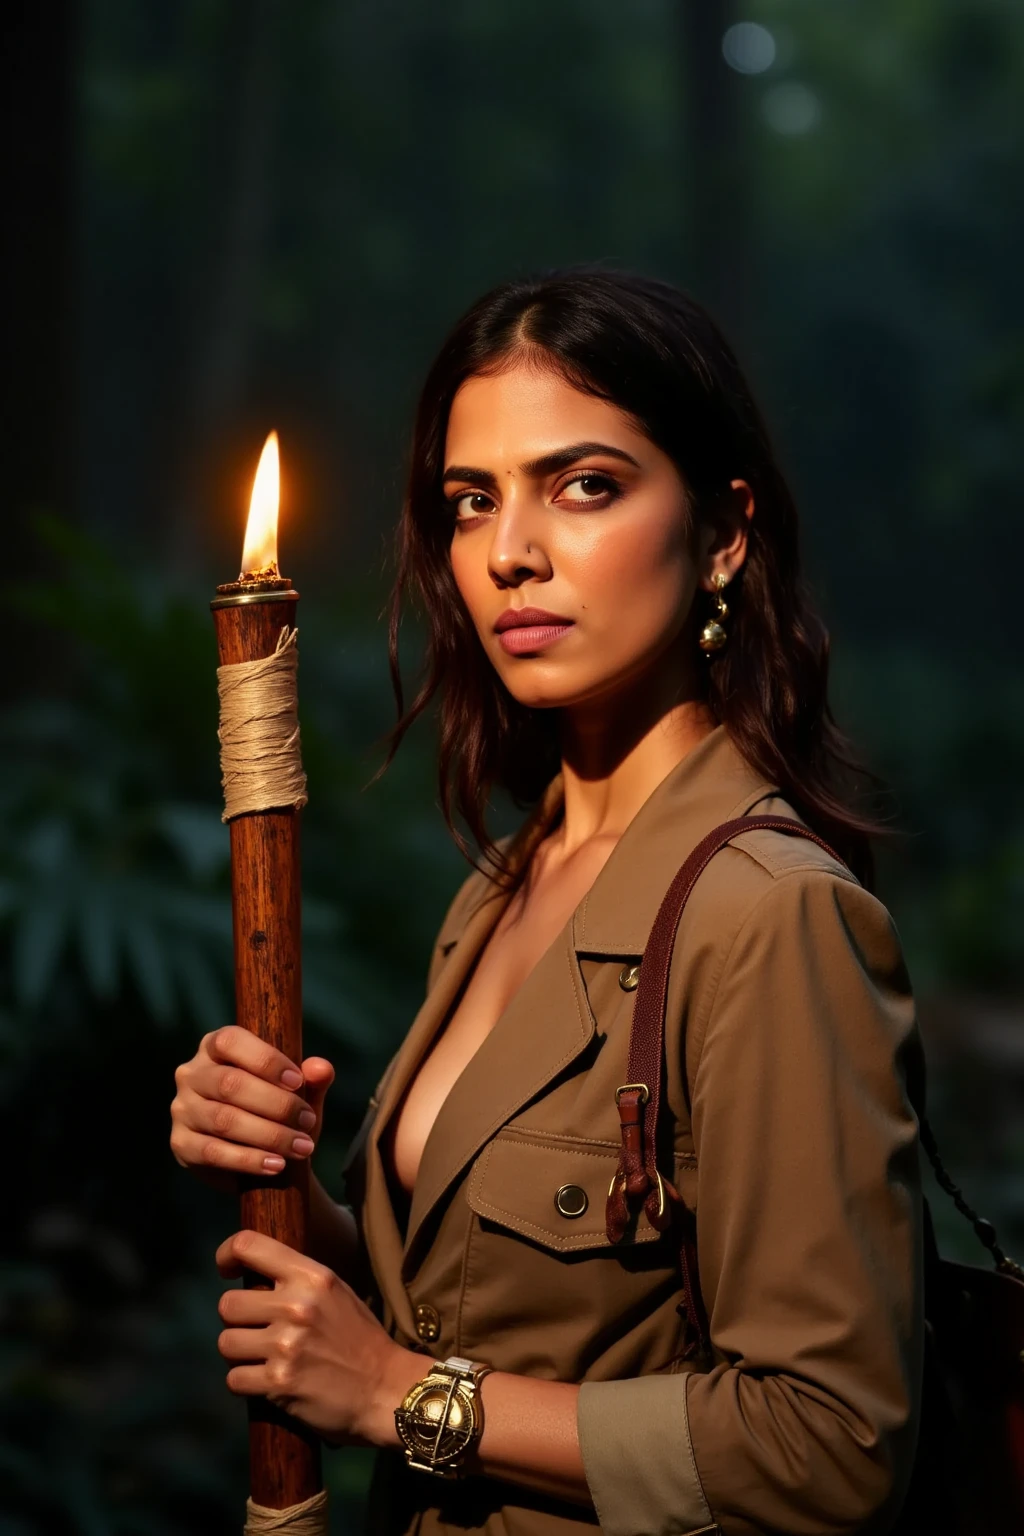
[266,909]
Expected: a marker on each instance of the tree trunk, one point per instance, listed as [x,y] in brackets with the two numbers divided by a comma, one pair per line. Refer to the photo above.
[718,224]
[38,245]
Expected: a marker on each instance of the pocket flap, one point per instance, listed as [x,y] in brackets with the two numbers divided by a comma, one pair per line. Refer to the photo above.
[535,1184]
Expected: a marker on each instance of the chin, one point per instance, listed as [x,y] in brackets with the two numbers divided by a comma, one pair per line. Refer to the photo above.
[542,700]
[551,694]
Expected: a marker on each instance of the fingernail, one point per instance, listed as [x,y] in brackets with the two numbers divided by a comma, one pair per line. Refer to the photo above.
[273,1164]
[302,1146]
[307,1119]
[291,1079]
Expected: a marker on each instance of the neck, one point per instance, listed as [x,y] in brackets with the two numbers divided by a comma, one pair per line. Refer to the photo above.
[614,756]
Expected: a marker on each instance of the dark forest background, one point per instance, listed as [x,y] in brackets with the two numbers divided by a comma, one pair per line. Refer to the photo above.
[222,217]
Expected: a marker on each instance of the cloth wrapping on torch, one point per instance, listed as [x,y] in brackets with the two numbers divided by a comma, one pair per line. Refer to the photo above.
[307,1519]
[260,754]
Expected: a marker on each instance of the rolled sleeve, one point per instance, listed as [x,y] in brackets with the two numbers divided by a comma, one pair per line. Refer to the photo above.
[809,1245]
[635,1492]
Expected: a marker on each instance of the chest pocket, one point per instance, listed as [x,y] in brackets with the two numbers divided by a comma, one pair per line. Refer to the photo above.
[544,1292]
[550,1189]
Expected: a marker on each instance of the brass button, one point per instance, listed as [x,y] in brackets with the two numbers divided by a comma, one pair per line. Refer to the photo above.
[428,1323]
[629,977]
[571,1200]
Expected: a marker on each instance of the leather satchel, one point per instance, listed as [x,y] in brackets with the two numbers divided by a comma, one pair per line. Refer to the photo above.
[969,1471]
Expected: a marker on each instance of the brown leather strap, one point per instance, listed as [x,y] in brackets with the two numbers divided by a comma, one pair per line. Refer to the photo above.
[639,1099]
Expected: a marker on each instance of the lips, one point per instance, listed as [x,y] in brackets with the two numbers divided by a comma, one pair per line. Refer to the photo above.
[529,618]
[525,631]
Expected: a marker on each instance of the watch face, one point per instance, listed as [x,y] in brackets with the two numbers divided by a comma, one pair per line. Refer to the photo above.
[425,1413]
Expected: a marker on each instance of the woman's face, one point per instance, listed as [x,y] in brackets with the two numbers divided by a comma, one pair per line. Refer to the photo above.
[563,506]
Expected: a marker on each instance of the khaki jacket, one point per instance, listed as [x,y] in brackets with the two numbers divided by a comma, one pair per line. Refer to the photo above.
[793,1073]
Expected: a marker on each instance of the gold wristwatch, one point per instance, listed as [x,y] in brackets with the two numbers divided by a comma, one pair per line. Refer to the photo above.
[441,1418]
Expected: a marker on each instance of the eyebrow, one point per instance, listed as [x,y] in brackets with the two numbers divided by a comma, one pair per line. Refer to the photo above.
[547,464]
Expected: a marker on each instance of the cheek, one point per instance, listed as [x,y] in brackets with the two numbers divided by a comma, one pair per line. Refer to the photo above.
[642,567]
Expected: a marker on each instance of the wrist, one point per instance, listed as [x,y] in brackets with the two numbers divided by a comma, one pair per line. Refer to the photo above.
[402,1370]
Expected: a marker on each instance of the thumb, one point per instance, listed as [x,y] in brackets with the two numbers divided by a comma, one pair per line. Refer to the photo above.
[319,1075]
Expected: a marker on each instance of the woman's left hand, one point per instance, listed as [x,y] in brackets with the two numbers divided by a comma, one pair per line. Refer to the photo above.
[310,1345]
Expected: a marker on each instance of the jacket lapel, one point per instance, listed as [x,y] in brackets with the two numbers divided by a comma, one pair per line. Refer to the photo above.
[712,784]
[465,941]
[544,1027]
[383,1239]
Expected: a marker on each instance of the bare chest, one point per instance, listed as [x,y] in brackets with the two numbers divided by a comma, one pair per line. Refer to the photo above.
[527,928]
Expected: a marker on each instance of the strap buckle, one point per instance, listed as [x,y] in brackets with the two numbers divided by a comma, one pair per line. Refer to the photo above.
[642,1088]
[618,1174]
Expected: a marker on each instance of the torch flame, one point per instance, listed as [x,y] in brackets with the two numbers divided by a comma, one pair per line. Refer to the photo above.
[259,552]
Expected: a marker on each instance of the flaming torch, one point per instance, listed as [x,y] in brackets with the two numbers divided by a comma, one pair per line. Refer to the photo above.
[264,789]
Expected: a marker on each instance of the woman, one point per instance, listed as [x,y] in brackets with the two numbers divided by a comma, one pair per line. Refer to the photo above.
[589,476]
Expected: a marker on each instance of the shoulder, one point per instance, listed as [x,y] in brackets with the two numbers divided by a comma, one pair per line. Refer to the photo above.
[807,1007]
[776,917]
[759,873]
[782,853]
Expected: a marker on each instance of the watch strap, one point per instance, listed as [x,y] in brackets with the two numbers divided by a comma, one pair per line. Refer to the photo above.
[466,1370]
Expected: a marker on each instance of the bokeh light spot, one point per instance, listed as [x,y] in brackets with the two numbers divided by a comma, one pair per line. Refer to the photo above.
[791,108]
[748,48]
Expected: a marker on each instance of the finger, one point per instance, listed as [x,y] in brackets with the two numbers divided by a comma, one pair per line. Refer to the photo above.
[194,1150]
[317,1072]
[226,1123]
[240,1308]
[251,1344]
[244,1049]
[319,1075]
[226,1084]
[255,1250]
[248,1380]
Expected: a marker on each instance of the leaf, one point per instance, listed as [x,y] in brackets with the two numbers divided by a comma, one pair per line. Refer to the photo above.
[149,966]
[198,836]
[204,990]
[48,846]
[38,938]
[194,913]
[97,940]
[327,1001]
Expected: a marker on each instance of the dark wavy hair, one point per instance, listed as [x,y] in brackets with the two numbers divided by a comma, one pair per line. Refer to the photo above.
[656,354]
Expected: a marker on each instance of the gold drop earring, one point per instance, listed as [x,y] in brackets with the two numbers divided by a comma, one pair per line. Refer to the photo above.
[713,635]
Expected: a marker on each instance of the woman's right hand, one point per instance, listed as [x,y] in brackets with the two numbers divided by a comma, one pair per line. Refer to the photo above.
[239,1108]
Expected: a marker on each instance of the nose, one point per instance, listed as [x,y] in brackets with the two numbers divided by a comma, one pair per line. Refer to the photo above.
[517,551]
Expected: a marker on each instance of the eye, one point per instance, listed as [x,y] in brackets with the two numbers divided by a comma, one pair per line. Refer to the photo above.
[594,488]
[470,504]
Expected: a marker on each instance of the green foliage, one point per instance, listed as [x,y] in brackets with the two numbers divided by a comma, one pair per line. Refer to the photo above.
[951,746]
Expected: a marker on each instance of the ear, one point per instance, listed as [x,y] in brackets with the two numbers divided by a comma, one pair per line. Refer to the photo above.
[724,548]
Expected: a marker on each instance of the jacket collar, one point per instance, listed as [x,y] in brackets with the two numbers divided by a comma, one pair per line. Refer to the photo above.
[712,784]
[548,1022]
